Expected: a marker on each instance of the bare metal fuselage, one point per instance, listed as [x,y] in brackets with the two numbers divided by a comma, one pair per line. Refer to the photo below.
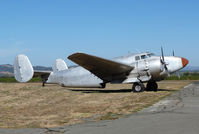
[146,69]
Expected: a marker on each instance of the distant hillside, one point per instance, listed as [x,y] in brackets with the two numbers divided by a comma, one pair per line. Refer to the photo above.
[8,70]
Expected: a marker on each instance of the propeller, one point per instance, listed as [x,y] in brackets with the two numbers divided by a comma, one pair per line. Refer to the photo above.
[178,73]
[164,64]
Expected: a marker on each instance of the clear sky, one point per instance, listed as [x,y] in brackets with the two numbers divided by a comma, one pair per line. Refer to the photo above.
[48,29]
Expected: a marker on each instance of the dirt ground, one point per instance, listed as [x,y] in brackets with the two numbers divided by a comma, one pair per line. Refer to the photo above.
[28,105]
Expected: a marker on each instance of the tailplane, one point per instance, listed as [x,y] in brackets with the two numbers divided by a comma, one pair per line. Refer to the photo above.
[59,65]
[23,69]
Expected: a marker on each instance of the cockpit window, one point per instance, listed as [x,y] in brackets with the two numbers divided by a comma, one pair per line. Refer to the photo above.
[137,58]
[151,54]
[143,56]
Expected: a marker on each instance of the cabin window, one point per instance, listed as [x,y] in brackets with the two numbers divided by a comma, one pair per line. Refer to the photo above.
[143,57]
[137,58]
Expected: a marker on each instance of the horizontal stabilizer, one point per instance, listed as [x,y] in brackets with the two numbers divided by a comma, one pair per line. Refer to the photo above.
[23,69]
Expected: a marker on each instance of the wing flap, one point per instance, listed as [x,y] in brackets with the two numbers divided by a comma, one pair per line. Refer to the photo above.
[107,70]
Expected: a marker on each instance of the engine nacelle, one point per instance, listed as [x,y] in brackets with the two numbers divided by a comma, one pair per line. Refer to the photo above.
[155,68]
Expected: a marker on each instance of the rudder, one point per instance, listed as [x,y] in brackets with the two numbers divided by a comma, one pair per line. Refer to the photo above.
[59,65]
[23,69]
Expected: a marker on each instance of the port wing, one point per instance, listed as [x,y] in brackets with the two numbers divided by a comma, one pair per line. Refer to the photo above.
[106,70]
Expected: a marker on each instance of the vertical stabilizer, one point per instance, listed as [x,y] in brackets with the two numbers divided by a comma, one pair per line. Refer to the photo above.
[59,65]
[23,69]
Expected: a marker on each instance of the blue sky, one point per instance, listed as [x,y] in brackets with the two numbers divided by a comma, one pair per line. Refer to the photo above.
[48,29]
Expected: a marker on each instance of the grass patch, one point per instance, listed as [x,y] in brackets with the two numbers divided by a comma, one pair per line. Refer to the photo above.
[185,76]
[12,79]
[110,116]
[7,79]
[29,105]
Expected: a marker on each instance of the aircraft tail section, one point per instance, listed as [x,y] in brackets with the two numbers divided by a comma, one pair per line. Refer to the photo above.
[59,65]
[23,69]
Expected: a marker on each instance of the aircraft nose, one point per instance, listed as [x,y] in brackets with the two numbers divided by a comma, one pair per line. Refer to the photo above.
[184,62]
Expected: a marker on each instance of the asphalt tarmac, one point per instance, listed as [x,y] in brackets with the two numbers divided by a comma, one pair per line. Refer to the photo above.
[177,114]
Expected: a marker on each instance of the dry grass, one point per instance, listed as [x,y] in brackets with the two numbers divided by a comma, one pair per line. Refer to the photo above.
[30,105]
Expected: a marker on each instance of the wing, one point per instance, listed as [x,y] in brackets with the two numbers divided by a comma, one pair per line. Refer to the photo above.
[106,70]
[42,74]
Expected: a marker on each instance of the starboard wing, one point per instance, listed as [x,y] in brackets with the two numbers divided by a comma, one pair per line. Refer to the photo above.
[106,70]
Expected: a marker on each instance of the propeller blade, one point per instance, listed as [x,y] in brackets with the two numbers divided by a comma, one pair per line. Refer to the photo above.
[178,74]
[162,60]
[167,71]
[162,53]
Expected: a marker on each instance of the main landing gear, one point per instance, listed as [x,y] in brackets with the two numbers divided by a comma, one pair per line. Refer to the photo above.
[44,82]
[152,86]
[139,86]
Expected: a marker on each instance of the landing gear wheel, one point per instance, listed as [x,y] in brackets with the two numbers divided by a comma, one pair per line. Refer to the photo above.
[103,85]
[152,86]
[138,87]
[44,82]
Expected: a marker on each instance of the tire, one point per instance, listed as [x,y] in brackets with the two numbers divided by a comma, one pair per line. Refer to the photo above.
[138,87]
[152,86]
[103,85]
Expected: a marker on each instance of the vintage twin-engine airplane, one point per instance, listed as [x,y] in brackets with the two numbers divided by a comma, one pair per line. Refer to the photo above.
[96,72]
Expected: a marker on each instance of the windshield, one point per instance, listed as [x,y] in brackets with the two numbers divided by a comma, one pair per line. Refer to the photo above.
[143,57]
[151,54]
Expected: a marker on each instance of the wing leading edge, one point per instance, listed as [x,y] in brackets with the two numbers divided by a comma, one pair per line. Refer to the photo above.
[106,70]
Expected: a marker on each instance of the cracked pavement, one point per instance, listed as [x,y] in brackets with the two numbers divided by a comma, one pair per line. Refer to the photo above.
[178,113]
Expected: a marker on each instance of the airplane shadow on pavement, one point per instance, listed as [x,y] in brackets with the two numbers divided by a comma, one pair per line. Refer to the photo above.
[102,91]
[113,91]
